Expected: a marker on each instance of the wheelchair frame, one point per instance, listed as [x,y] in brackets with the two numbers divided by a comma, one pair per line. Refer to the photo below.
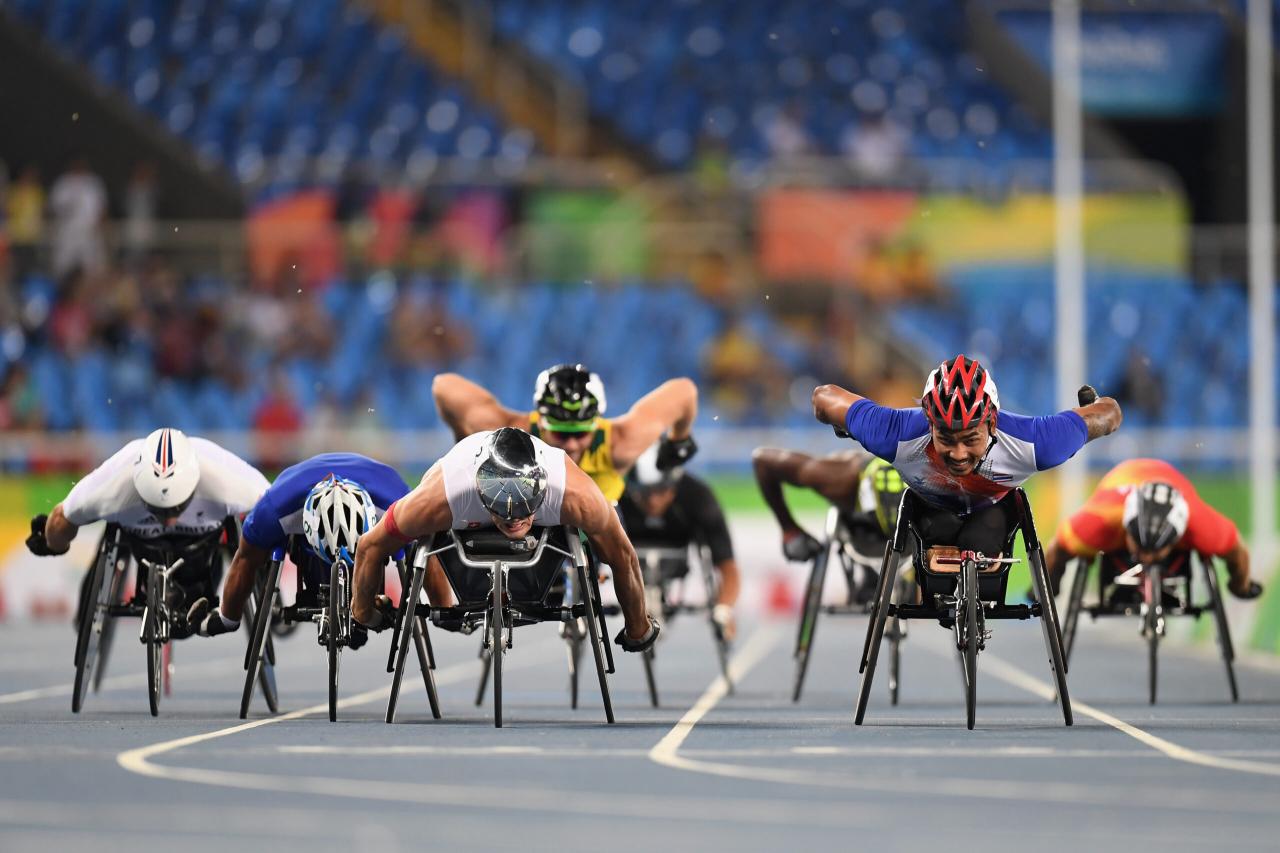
[980,585]
[1151,609]
[497,612]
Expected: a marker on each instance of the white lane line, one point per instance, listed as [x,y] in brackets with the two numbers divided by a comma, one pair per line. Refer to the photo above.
[112,683]
[1011,674]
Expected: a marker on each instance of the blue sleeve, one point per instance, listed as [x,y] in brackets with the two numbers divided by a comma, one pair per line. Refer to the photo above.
[880,429]
[262,525]
[1056,438]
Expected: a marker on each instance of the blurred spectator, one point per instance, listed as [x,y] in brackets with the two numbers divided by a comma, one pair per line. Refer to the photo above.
[874,274]
[19,401]
[785,134]
[1140,387]
[72,322]
[140,201]
[916,274]
[422,333]
[25,220]
[876,147]
[746,381]
[78,202]
[278,419]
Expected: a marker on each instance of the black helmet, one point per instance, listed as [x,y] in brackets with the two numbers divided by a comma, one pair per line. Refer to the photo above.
[646,474]
[511,483]
[1155,515]
[569,397]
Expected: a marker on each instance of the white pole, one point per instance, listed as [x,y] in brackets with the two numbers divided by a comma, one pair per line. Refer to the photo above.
[1262,276]
[1068,186]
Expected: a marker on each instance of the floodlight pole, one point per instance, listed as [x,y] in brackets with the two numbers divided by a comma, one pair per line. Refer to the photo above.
[1070,356]
[1262,277]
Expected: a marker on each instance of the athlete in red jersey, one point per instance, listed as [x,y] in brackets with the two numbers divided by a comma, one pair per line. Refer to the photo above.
[1104,525]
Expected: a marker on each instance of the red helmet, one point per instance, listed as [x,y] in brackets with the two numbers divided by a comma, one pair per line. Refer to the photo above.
[960,394]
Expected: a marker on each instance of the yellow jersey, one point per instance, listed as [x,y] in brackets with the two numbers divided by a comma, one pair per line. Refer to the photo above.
[597,461]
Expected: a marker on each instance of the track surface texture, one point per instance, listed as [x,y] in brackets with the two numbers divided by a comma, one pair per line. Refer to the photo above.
[706,771]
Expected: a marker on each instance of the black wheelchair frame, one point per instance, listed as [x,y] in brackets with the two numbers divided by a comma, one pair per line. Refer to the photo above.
[328,605]
[1155,581]
[965,599]
[838,543]
[501,584]
[102,602]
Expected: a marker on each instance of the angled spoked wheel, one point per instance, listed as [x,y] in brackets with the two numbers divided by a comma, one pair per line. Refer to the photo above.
[967,632]
[93,615]
[809,616]
[1220,620]
[1153,625]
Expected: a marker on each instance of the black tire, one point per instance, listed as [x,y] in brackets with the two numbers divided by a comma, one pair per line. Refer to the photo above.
[1051,631]
[155,649]
[92,619]
[809,617]
[422,641]
[649,678]
[722,653]
[589,577]
[115,581]
[258,665]
[573,647]
[1075,602]
[408,608]
[599,642]
[1155,608]
[336,585]
[486,665]
[968,618]
[875,633]
[1224,629]
[497,641]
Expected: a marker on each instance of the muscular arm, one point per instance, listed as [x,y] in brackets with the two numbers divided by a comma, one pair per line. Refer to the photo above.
[245,565]
[58,531]
[468,408]
[1101,417]
[669,408]
[420,513]
[835,477]
[1237,560]
[831,403]
[586,508]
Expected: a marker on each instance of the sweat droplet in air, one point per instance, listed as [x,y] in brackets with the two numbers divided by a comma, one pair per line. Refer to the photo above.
[715,417]
[371,411]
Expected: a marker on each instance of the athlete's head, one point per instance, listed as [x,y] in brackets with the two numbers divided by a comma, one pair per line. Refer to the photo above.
[651,488]
[569,398]
[511,483]
[1155,517]
[880,492]
[166,474]
[336,513]
[961,402]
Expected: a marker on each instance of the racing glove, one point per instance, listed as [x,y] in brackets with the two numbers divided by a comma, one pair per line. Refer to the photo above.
[1086,395]
[644,643]
[799,546]
[385,614]
[1253,590]
[675,452]
[36,543]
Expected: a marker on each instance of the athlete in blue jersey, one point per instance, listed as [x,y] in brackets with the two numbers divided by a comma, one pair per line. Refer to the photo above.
[330,499]
[960,452]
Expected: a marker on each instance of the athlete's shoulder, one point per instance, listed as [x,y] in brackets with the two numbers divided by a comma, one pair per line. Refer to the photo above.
[880,429]
[1053,438]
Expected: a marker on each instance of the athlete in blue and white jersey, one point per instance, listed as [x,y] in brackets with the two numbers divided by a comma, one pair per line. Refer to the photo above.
[960,453]
[280,513]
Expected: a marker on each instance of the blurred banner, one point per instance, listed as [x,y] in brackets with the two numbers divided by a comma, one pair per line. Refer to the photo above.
[1138,64]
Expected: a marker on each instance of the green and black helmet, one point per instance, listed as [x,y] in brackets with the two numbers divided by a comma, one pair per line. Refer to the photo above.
[569,398]
[880,492]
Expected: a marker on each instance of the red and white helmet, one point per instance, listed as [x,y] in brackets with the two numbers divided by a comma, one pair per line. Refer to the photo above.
[167,472]
[960,394]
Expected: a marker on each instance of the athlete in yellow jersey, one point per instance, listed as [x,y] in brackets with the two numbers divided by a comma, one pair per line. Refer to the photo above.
[569,407]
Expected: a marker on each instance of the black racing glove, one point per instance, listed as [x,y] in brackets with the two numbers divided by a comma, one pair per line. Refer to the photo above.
[385,614]
[800,547]
[1086,395]
[673,453]
[644,643]
[840,431]
[36,543]
[1253,591]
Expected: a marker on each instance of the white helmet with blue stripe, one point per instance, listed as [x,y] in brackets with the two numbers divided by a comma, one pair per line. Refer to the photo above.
[166,473]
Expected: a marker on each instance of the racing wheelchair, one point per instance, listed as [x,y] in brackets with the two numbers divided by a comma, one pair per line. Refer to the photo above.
[324,597]
[1151,592]
[171,571]
[501,584]
[857,544]
[962,590]
[665,570]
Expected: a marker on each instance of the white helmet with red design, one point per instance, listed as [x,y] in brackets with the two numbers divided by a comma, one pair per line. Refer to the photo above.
[960,395]
[166,473]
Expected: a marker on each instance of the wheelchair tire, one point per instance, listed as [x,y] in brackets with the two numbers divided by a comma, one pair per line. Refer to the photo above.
[1155,608]
[406,610]
[573,648]
[92,620]
[1050,629]
[155,654]
[115,596]
[599,641]
[875,633]
[486,664]
[337,583]
[649,678]
[497,641]
[422,644]
[1220,619]
[255,658]
[809,617]
[969,650]
[1075,601]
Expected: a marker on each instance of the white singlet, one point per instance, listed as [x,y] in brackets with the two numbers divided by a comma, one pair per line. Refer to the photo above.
[460,465]
[228,486]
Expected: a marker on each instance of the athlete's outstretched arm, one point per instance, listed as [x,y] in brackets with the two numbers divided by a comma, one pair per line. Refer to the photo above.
[586,508]
[58,531]
[669,408]
[1101,417]
[245,565]
[420,513]
[469,408]
[834,476]
[831,403]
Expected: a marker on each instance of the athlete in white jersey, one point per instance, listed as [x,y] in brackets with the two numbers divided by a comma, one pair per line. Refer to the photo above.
[163,485]
[508,480]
